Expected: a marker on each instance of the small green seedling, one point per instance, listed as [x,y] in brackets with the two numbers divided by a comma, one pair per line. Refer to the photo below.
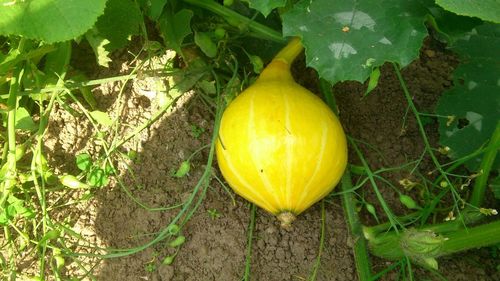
[96,175]
[197,131]
[150,267]
[213,213]
[183,169]
[168,260]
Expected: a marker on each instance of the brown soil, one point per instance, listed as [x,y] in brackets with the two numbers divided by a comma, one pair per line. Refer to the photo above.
[216,235]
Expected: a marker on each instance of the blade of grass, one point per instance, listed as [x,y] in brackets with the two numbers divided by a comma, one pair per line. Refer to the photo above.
[248,256]
[317,263]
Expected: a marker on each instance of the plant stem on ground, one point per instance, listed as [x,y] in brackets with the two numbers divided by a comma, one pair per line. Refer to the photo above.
[360,248]
[392,246]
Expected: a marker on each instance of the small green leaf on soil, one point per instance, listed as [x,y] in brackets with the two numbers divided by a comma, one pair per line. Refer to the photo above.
[183,169]
[177,241]
[373,82]
[101,117]
[83,161]
[168,260]
[173,229]
[97,177]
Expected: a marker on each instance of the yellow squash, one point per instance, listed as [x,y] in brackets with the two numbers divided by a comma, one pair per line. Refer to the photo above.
[279,145]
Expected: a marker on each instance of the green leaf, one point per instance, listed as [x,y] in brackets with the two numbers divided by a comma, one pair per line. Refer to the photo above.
[474,102]
[207,46]
[257,63]
[101,118]
[266,6]
[488,10]
[168,260]
[49,20]
[72,182]
[154,8]
[495,187]
[175,28]
[177,241]
[4,218]
[24,120]
[121,20]
[98,44]
[83,161]
[183,169]
[373,82]
[57,62]
[97,177]
[449,25]
[345,41]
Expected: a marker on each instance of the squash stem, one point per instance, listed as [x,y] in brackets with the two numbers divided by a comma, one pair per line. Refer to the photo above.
[290,51]
[286,218]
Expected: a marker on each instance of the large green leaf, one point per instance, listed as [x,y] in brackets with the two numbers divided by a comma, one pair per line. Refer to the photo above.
[121,19]
[266,6]
[153,8]
[49,20]
[450,26]
[488,10]
[345,40]
[474,101]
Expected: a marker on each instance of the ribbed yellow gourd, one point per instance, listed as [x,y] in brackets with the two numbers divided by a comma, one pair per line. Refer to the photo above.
[279,145]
